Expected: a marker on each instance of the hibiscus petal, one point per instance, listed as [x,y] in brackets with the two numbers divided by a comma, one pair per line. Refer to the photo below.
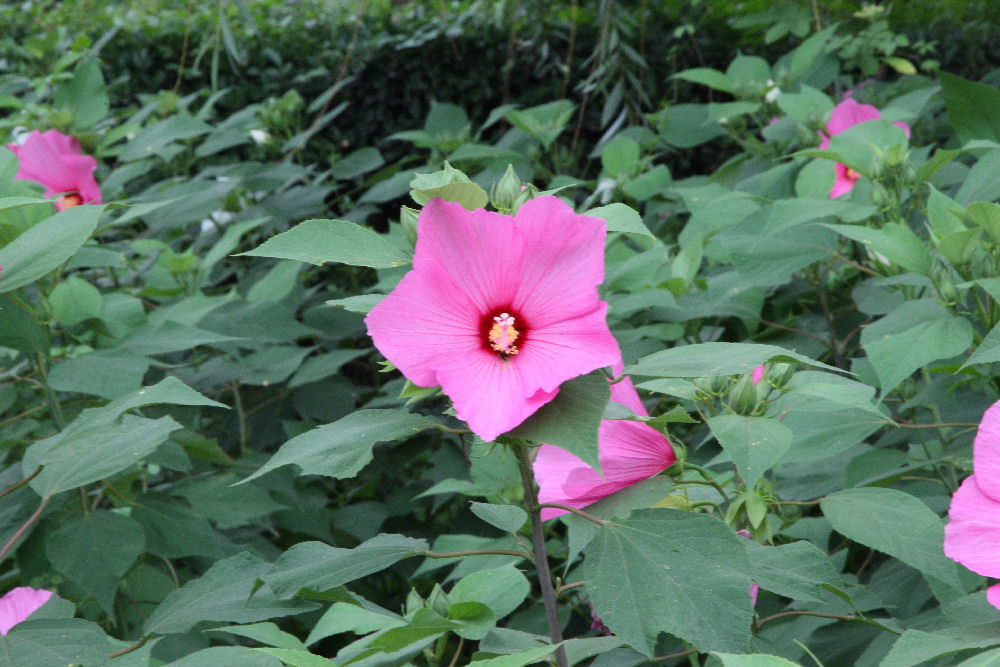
[492,396]
[19,604]
[841,183]
[566,349]
[986,453]
[78,172]
[624,392]
[848,114]
[972,536]
[631,451]
[993,595]
[479,252]
[422,325]
[566,252]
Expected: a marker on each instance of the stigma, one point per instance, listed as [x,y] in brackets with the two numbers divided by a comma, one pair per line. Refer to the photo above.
[503,335]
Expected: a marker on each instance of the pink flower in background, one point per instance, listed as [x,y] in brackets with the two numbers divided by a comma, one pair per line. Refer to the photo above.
[972,536]
[629,452]
[848,114]
[19,604]
[57,162]
[499,310]
[758,374]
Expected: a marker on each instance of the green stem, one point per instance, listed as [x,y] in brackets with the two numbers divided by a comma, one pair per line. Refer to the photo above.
[50,396]
[541,559]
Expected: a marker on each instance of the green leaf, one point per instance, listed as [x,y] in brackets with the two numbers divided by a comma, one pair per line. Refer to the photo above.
[320,241]
[344,447]
[296,657]
[571,420]
[798,570]
[894,523]
[688,573]
[348,617]
[912,335]
[710,359]
[54,643]
[470,195]
[544,122]
[754,660]
[508,518]
[620,157]
[75,300]
[502,589]
[265,633]
[754,443]
[85,454]
[529,657]
[973,108]
[320,567]
[174,531]
[47,245]
[79,550]
[84,94]
[621,218]
[226,592]
[895,241]
[227,655]
[916,647]
[706,76]
[151,140]
[361,161]
[988,351]
[686,125]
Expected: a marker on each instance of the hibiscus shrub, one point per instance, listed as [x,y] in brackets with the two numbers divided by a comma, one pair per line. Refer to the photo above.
[516,397]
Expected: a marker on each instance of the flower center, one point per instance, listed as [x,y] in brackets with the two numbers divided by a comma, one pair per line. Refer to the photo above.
[503,335]
[852,175]
[72,199]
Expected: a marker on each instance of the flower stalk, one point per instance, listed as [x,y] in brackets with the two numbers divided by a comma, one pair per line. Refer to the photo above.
[523,455]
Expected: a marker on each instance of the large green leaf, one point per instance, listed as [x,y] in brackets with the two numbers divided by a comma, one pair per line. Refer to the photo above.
[664,570]
[344,447]
[916,647]
[46,245]
[320,567]
[621,218]
[54,643]
[79,550]
[973,108]
[320,241]
[895,523]
[912,335]
[708,359]
[226,592]
[753,443]
[798,570]
[571,420]
[84,94]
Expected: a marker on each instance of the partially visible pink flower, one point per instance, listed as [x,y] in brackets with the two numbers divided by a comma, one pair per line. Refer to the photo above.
[499,310]
[972,536]
[758,374]
[754,588]
[629,452]
[596,623]
[19,604]
[848,114]
[57,162]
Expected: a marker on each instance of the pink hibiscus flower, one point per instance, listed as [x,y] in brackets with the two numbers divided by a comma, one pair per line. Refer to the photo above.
[57,162]
[629,452]
[498,310]
[19,604]
[848,114]
[758,374]
[972,536]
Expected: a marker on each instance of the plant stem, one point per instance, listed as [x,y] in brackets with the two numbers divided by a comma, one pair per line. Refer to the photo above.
[541,559]
[478,552]
[576,511]
[20,531]
[17,485]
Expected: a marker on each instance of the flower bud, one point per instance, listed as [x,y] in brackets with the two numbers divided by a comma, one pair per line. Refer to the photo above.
[743,397]
[505,193]
[780,375]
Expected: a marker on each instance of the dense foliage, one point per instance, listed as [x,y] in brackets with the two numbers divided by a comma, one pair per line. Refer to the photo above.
[208,213]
